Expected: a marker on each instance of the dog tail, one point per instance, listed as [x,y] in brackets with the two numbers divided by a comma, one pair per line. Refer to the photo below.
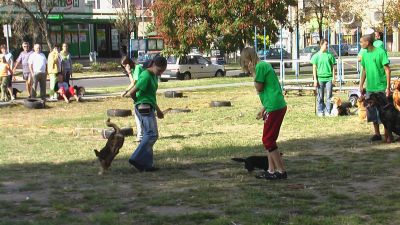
[238,159]
[113,125]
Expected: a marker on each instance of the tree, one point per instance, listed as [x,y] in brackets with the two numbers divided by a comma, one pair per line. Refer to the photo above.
[126,21]
[37,11]
[223,24]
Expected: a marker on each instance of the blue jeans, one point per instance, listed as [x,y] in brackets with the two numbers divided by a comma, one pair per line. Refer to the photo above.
[142,158]
[324,106]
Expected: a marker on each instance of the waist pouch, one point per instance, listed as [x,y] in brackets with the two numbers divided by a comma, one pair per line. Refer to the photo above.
[144,109]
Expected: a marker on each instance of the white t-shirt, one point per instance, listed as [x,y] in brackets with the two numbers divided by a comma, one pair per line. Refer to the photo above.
[39,62]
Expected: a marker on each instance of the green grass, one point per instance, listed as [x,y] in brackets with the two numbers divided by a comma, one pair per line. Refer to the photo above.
[49,171]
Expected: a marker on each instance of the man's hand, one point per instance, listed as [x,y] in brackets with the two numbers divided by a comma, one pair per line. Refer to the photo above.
[160,114]
[316,84]
[14,78]
[361,89]
[260,114]
[387,92]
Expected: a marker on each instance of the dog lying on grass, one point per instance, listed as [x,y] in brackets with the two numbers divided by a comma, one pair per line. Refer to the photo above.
[114,143]
[388,115]
[340,108]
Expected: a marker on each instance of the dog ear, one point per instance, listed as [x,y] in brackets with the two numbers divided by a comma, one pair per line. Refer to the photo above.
[97,153]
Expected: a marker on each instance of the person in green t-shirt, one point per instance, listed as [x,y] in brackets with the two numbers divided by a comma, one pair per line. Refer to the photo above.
[324,75]
[377,75]
[144,96]
[273,110]
[133,72]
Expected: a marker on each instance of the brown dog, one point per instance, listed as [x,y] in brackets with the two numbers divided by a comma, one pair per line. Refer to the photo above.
[362,110]
[396,95]
[114,143]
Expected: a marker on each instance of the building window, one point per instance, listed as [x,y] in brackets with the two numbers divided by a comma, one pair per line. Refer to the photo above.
[76,3]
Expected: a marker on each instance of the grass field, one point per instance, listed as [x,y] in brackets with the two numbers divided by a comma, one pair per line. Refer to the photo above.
[49,171]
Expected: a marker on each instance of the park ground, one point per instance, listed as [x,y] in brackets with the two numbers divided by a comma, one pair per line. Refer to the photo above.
[49,170]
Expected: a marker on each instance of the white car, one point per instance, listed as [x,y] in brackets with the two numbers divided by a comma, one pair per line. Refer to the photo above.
[191,67]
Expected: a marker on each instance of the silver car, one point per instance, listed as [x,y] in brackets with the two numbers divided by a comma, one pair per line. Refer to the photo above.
[191,67]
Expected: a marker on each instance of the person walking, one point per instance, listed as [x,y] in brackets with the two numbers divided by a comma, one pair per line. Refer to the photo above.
[23,59]
[324,75]
[377,75]
[10,61]
[144,95]
[38,67]
[53,67]
[133,72]
[5,69]
[66,63]
[273,110]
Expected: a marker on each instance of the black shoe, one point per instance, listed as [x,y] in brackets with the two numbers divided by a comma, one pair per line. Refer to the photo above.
[282,175]
[376,138]
[267,176]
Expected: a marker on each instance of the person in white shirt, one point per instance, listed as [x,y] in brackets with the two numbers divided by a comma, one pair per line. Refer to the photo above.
[38,67]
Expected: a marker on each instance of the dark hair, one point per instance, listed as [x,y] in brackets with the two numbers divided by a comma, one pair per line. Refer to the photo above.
[370,38]
[126,60]
[380,35]
[322,41]
[159,61]
[56,46]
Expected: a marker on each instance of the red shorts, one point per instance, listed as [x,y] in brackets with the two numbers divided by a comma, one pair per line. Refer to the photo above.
[69,93]
[272,126]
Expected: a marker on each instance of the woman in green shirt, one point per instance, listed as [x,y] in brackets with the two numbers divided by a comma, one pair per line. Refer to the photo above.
[144,96]
[273,110]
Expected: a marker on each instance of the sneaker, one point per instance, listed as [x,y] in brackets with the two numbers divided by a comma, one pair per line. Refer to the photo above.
[267,176]
[281,175]
[320,114]
[376,138]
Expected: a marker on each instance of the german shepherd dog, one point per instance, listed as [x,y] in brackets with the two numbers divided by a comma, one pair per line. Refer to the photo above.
[114,143]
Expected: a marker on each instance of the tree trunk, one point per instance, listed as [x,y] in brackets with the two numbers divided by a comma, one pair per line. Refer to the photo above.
[320,30]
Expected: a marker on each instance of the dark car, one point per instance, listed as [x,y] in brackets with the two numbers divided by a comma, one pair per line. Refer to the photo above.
[354,49]
[343,50]
[275,54]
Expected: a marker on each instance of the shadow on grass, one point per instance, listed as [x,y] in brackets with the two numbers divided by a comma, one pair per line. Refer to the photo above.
[337,180]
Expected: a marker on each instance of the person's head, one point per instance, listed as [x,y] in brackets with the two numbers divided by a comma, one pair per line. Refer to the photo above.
[65,47]
[3,59]
[25,46]
[60,77]
[3,49]
[323,44]
[127,63]
[56,48]
[37,48]
[248,59]
[378,35]
[366,41]
[158,65]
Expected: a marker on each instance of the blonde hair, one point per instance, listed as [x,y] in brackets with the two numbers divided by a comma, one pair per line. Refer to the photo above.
[247,56]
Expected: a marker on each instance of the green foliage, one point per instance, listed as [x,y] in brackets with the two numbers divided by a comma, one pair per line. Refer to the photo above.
[77,68]
[108,66]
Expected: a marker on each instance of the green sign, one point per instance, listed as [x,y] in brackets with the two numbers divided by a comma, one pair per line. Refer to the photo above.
[55,17]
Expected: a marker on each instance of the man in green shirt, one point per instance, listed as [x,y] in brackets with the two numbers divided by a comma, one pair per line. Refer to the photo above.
[378,43]
[324,75]
[377,75]
[144,96]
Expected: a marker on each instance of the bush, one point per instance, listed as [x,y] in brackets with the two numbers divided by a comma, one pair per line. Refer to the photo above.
[77,68]
[108,66]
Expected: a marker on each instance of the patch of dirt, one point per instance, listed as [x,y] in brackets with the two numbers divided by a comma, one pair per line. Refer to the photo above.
[179,210]
[12,193]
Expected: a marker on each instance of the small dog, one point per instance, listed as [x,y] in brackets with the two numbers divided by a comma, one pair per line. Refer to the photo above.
[340,108]
[79,90]
[114,143]
[362,110]
[15,92]
[396,95]
[388,115]
[254,162]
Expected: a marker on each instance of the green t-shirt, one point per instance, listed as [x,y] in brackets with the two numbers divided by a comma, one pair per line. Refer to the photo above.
[373,63]
[324,62]
[136,72]
[147,85]
[271,97]
[379,44]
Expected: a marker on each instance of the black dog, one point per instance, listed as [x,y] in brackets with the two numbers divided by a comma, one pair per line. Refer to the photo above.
[388,114]
[108,153]
[254,162]
[15,92]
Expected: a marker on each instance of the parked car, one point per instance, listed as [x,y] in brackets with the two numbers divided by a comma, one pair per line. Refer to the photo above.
[354,49]
[217,57]
[307,53]
[343,50]
[190,67]
[275,54]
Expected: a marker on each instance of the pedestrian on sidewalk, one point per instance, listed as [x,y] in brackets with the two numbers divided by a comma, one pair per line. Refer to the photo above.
[66,63]
[5,69]
[144,95]
[38,67]
[53,67]
[133,72]
[377,75]
[23,59]
[273,110]
[10,61]
[324,76]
